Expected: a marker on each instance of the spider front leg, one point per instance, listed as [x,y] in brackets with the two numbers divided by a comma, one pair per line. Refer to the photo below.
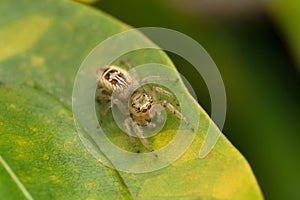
[142,138]
[158,78]
[103,97]
[127,64]
[129,123]
[104,112]
[156,110]
[177,113]
[160,90]
[107,106]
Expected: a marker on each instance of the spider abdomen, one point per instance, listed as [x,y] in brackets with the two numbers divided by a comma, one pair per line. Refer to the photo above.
[113,78]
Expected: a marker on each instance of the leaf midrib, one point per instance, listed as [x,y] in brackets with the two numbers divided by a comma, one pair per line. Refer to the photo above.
[113,171]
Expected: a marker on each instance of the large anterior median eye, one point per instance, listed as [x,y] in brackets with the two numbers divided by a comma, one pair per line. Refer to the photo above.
[144,110]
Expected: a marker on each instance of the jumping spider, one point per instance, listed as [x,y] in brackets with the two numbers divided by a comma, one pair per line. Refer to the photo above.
[114,80]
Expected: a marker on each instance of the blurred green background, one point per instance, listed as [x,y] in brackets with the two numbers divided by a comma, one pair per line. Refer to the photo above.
[255,45]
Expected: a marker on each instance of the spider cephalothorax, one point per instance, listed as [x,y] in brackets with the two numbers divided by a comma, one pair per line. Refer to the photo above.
[114,80]
[139,107]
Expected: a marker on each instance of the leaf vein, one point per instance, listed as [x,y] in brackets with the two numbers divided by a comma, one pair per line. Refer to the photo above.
[15,178]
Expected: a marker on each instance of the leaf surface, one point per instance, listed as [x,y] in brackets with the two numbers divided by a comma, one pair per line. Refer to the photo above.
[41,49]
[286,15]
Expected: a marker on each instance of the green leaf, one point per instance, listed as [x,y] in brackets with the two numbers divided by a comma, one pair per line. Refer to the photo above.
[42,45]
[87,1]
[286,14]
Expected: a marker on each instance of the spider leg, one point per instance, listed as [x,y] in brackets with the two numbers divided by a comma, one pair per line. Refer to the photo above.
[103,97]
[156,111]
[149,78]
[142,138]
[160,90]
[131,139]
[177,113]
[158,78]
[133,71]
[126,63]
[104,112]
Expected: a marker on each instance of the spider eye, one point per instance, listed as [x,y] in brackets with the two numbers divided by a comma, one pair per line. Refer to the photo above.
[133,104]
[144,95]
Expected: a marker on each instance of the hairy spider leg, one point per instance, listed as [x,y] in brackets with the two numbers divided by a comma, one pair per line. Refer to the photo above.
[177,113]
[127,64]
[131,139]
[103,97]
[142,138]
[104,112]
[158,78]
[166,93]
